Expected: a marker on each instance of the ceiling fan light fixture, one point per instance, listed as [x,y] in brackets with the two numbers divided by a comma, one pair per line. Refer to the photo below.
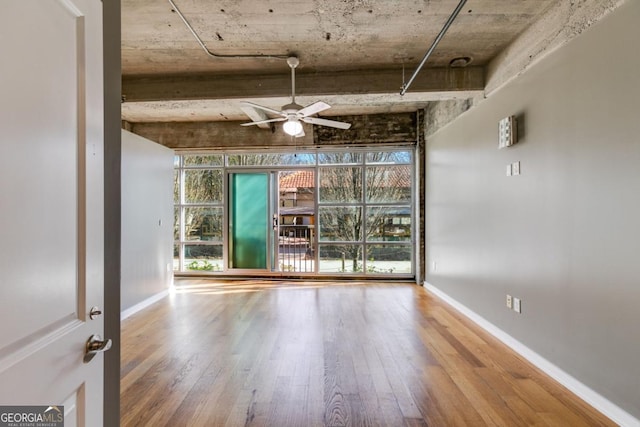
[292,127]
[292,114]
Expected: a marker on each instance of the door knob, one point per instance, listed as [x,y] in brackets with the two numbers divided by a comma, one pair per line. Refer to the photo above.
[95,345]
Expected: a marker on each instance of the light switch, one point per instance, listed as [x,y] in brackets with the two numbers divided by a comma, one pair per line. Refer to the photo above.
[516,168]
[517,305]
[509,171]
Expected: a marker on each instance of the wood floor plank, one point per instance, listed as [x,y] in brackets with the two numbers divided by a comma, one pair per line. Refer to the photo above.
[309,353]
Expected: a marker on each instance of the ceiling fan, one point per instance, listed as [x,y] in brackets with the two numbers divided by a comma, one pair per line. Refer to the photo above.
[292,114]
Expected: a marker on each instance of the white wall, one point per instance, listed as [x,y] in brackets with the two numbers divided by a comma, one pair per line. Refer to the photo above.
[565,235]
[147,219]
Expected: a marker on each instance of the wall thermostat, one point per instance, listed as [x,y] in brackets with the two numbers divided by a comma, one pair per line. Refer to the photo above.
[507,132]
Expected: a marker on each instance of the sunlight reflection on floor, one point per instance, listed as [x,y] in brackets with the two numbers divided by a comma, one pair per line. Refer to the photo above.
[210,287]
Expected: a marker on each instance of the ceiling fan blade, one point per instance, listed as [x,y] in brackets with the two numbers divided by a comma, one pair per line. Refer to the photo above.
[256,115]
[279,119]
[267,109]
[314,108]
[325,122]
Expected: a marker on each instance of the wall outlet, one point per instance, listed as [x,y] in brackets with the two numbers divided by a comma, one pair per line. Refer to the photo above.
[434,266]
[517,305]
[509,301]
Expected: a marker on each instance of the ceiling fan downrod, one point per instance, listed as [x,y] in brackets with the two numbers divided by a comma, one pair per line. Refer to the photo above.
[293,63]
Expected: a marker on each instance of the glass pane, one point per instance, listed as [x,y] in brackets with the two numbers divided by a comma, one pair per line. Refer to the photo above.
[389,259]
[176,257]
[203,160]
[340,185]
[297,192]
[278,159]
[176,186]
[389,157]
[203,258]
[339,158]
[389,184]
[176,161]
[176,223]
[295,248]
[249,226]
[340,224]
[203,186]
[388,224]
[340,258]
[203,224]
[301,159]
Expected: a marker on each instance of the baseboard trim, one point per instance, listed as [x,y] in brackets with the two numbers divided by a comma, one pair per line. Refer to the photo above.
[593,398]
[143,304]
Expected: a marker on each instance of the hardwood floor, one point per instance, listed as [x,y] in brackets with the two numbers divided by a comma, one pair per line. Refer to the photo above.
[261,353]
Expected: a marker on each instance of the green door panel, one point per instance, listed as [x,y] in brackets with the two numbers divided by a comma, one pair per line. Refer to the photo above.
[249,216]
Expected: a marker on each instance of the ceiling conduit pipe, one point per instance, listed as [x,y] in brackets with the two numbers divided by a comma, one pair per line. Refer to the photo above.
[217,55]
[453,16]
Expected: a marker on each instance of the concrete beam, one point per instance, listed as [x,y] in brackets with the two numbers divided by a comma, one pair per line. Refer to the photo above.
[208,135]
[365,129]
[138,89]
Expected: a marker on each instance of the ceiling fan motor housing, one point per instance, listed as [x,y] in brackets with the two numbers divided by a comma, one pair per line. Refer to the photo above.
[292,108]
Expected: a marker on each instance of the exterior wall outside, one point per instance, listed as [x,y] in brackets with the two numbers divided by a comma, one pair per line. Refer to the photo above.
[563,236]
[147,219]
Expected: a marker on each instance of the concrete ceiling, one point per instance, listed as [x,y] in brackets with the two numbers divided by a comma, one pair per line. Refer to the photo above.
[352,54]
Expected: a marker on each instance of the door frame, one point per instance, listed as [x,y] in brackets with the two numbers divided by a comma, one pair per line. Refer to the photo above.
[112,90]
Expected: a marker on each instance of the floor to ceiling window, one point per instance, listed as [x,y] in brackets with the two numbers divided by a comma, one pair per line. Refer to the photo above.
[199,212]
[365,212]
[323,212]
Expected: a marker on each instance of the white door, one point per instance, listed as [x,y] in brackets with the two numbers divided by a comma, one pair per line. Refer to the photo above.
[51,205]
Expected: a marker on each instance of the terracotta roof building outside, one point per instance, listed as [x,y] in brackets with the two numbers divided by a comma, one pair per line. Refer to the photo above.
[299,179]
[395,177]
